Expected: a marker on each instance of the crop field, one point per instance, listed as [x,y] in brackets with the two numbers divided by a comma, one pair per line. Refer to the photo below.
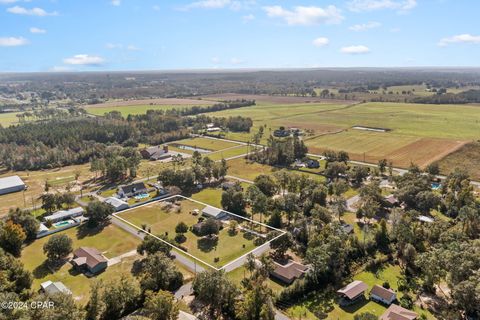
[162,217]
[467,158]
[419,132]
[35,181]
[373,146]
[266,99]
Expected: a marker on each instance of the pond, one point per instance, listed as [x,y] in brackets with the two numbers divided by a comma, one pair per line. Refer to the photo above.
[185,147]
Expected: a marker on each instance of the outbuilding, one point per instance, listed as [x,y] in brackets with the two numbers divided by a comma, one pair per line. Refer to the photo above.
[383,295]
[352,292]
[11,184]
[49,288]
[116,203]
[213,212]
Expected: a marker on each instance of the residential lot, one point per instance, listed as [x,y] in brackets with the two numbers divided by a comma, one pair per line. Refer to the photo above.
[162,218]
[111,241]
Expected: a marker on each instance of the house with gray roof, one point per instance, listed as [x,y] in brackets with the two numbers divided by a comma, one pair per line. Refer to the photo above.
[116,203]
[65,214]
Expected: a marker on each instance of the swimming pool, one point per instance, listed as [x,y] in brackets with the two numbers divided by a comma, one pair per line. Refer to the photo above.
[61,224]
[141,196]
[436,185]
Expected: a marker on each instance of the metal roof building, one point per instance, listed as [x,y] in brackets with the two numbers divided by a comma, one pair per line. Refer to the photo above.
[11,184]
[65,214]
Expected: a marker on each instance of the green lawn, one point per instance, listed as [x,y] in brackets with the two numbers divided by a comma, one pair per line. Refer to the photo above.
[112,241]
[205,143]
[9,118]
[228,153]
[163,222]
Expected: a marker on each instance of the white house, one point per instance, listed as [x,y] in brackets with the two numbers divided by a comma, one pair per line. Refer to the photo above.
[117,204]
[383,295]
[65,214]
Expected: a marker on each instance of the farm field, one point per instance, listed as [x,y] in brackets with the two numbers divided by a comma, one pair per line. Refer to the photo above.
[373,146]
[127,107]
[466,158]
[228,153]
[35,180]
[112,241]
[420,133]
[250,170]
[162,221]
[205,143]
[8,118]
[268,99]
[325,304]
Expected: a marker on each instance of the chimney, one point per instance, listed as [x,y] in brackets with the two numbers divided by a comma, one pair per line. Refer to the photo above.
[165,148]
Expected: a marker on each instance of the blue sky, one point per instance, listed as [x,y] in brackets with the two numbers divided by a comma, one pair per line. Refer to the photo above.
[58,35]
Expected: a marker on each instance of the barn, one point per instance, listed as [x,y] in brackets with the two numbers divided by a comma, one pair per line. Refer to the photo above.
[11,184]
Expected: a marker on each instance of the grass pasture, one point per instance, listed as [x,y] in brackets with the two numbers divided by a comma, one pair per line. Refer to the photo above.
[8,118]
[206,143]
[35,180]
[162,221]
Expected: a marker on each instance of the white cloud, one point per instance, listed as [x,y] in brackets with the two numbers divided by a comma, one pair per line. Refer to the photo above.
[355,50]
[156,7]
[460,38]
[371,5]
[131,47]
[320,42]
[8,1]
[84,59]
[219,4]
[248,18]
[306,15]
[116,3]
[37,30]
[13,42]
[113,45]
[365,26]
[31,12]
[236,61]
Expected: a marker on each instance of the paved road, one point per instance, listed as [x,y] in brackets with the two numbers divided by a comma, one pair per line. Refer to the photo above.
[280,315]
[184,291]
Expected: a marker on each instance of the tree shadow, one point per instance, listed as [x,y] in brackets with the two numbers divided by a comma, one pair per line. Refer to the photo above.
[207,244]
[354,307]
[85,230]
[47,268]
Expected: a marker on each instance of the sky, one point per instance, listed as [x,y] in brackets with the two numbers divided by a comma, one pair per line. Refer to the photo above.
[95,35]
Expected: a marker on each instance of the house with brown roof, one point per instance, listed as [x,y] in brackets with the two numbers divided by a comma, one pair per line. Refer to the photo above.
[89,260]
[395,312]
[383,295]
[352,292]
[289,272]
[156,153]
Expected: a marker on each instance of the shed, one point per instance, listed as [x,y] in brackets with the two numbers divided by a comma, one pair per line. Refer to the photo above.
[11,184]
[49,287]
[214,212]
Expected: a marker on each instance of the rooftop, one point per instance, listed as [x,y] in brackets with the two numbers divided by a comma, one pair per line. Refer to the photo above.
[50,287]
[65,213]
[89,256]
[212,211]
[353,289]
[384,293]
[9,182]
[291,271]
[395,312]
